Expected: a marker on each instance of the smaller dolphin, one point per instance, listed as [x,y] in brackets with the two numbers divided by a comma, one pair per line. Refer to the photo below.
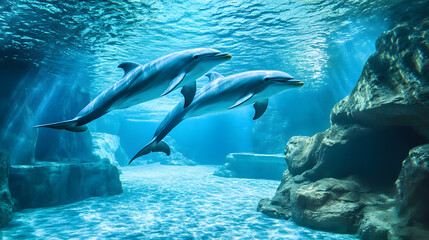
[142,83]
[221,94]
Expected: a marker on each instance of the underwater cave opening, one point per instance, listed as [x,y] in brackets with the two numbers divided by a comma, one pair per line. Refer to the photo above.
[375,156]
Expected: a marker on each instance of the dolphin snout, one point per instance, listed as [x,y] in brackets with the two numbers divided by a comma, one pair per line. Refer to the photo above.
[223,55]
[296,82]
[293,82]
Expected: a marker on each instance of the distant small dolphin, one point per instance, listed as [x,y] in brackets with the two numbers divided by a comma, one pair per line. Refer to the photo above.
[221,94]
[142,83]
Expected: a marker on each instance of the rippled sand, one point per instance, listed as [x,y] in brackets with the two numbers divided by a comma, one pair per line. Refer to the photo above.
[159,202]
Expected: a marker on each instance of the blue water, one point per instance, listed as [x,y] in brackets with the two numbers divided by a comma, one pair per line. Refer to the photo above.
[55,56]
[166,202]
[79,46]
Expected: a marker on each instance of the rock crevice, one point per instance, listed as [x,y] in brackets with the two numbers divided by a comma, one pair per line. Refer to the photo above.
[368,173]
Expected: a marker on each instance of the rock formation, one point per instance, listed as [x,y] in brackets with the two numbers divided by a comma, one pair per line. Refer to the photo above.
[343,179]
[6,204]
[47,167]
[49,184]
[251,165]
[108,146]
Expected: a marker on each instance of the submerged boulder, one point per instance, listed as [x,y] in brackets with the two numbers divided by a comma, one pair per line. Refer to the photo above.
[343,179]
[18,136]
[49,184]
[412,186]
[393,89]
[6,203]
[251,165]
[109,146]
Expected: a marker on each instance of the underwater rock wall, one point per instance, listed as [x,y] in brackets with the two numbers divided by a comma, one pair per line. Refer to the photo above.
[35,95]
[343,179]
[251,165]
[47,167]
[49,184]
[6,203]
[108,146]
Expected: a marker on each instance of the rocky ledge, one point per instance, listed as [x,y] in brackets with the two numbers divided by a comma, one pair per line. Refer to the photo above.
[251,165]
[49,184]
[368,173]
[6,203]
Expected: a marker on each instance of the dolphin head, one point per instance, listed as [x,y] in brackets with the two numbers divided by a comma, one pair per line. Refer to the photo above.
[269,83]
[281,79]
[209,55]
[201,60]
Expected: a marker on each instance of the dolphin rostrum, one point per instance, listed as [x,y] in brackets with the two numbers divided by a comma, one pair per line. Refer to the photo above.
[142,83]
[221,94]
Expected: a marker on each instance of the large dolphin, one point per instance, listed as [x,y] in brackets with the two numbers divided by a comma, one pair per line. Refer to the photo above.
[142,83]
[221,94]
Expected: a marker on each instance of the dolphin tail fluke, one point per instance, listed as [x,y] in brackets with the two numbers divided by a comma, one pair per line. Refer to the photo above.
[153,146]
[70,125]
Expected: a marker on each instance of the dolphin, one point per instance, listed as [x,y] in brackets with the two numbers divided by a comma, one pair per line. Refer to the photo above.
[142,83]
[221,94]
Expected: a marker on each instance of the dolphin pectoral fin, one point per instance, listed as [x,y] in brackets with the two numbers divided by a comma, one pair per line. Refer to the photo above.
[188,92]
[128,66]
[213,76]
[242,100]
[260,108]
[162,147]
[174,83]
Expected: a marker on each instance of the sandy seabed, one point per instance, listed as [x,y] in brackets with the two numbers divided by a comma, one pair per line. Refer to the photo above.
[165,202]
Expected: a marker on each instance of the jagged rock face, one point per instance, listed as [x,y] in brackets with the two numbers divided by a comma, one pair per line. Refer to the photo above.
[109,146]
[373,155]
[342,179]
[49,184]
[6,204]
[18,136]
[394,86]
[412,185]
[329,204]
[60,145]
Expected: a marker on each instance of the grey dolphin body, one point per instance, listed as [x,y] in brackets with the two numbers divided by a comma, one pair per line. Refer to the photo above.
[142,83]
[222,94]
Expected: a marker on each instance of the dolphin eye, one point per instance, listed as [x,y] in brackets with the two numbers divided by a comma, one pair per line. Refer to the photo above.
[196,56]
[266,79]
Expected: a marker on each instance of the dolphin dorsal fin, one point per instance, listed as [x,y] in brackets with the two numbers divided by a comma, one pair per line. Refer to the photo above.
[213,76]
[128,66]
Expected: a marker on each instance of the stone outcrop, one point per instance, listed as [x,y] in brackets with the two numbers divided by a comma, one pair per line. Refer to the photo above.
[108,146]
[6,203]
[18,137]
[412,186]
[47,166]
[49,184]
[251,165]
[343,179]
